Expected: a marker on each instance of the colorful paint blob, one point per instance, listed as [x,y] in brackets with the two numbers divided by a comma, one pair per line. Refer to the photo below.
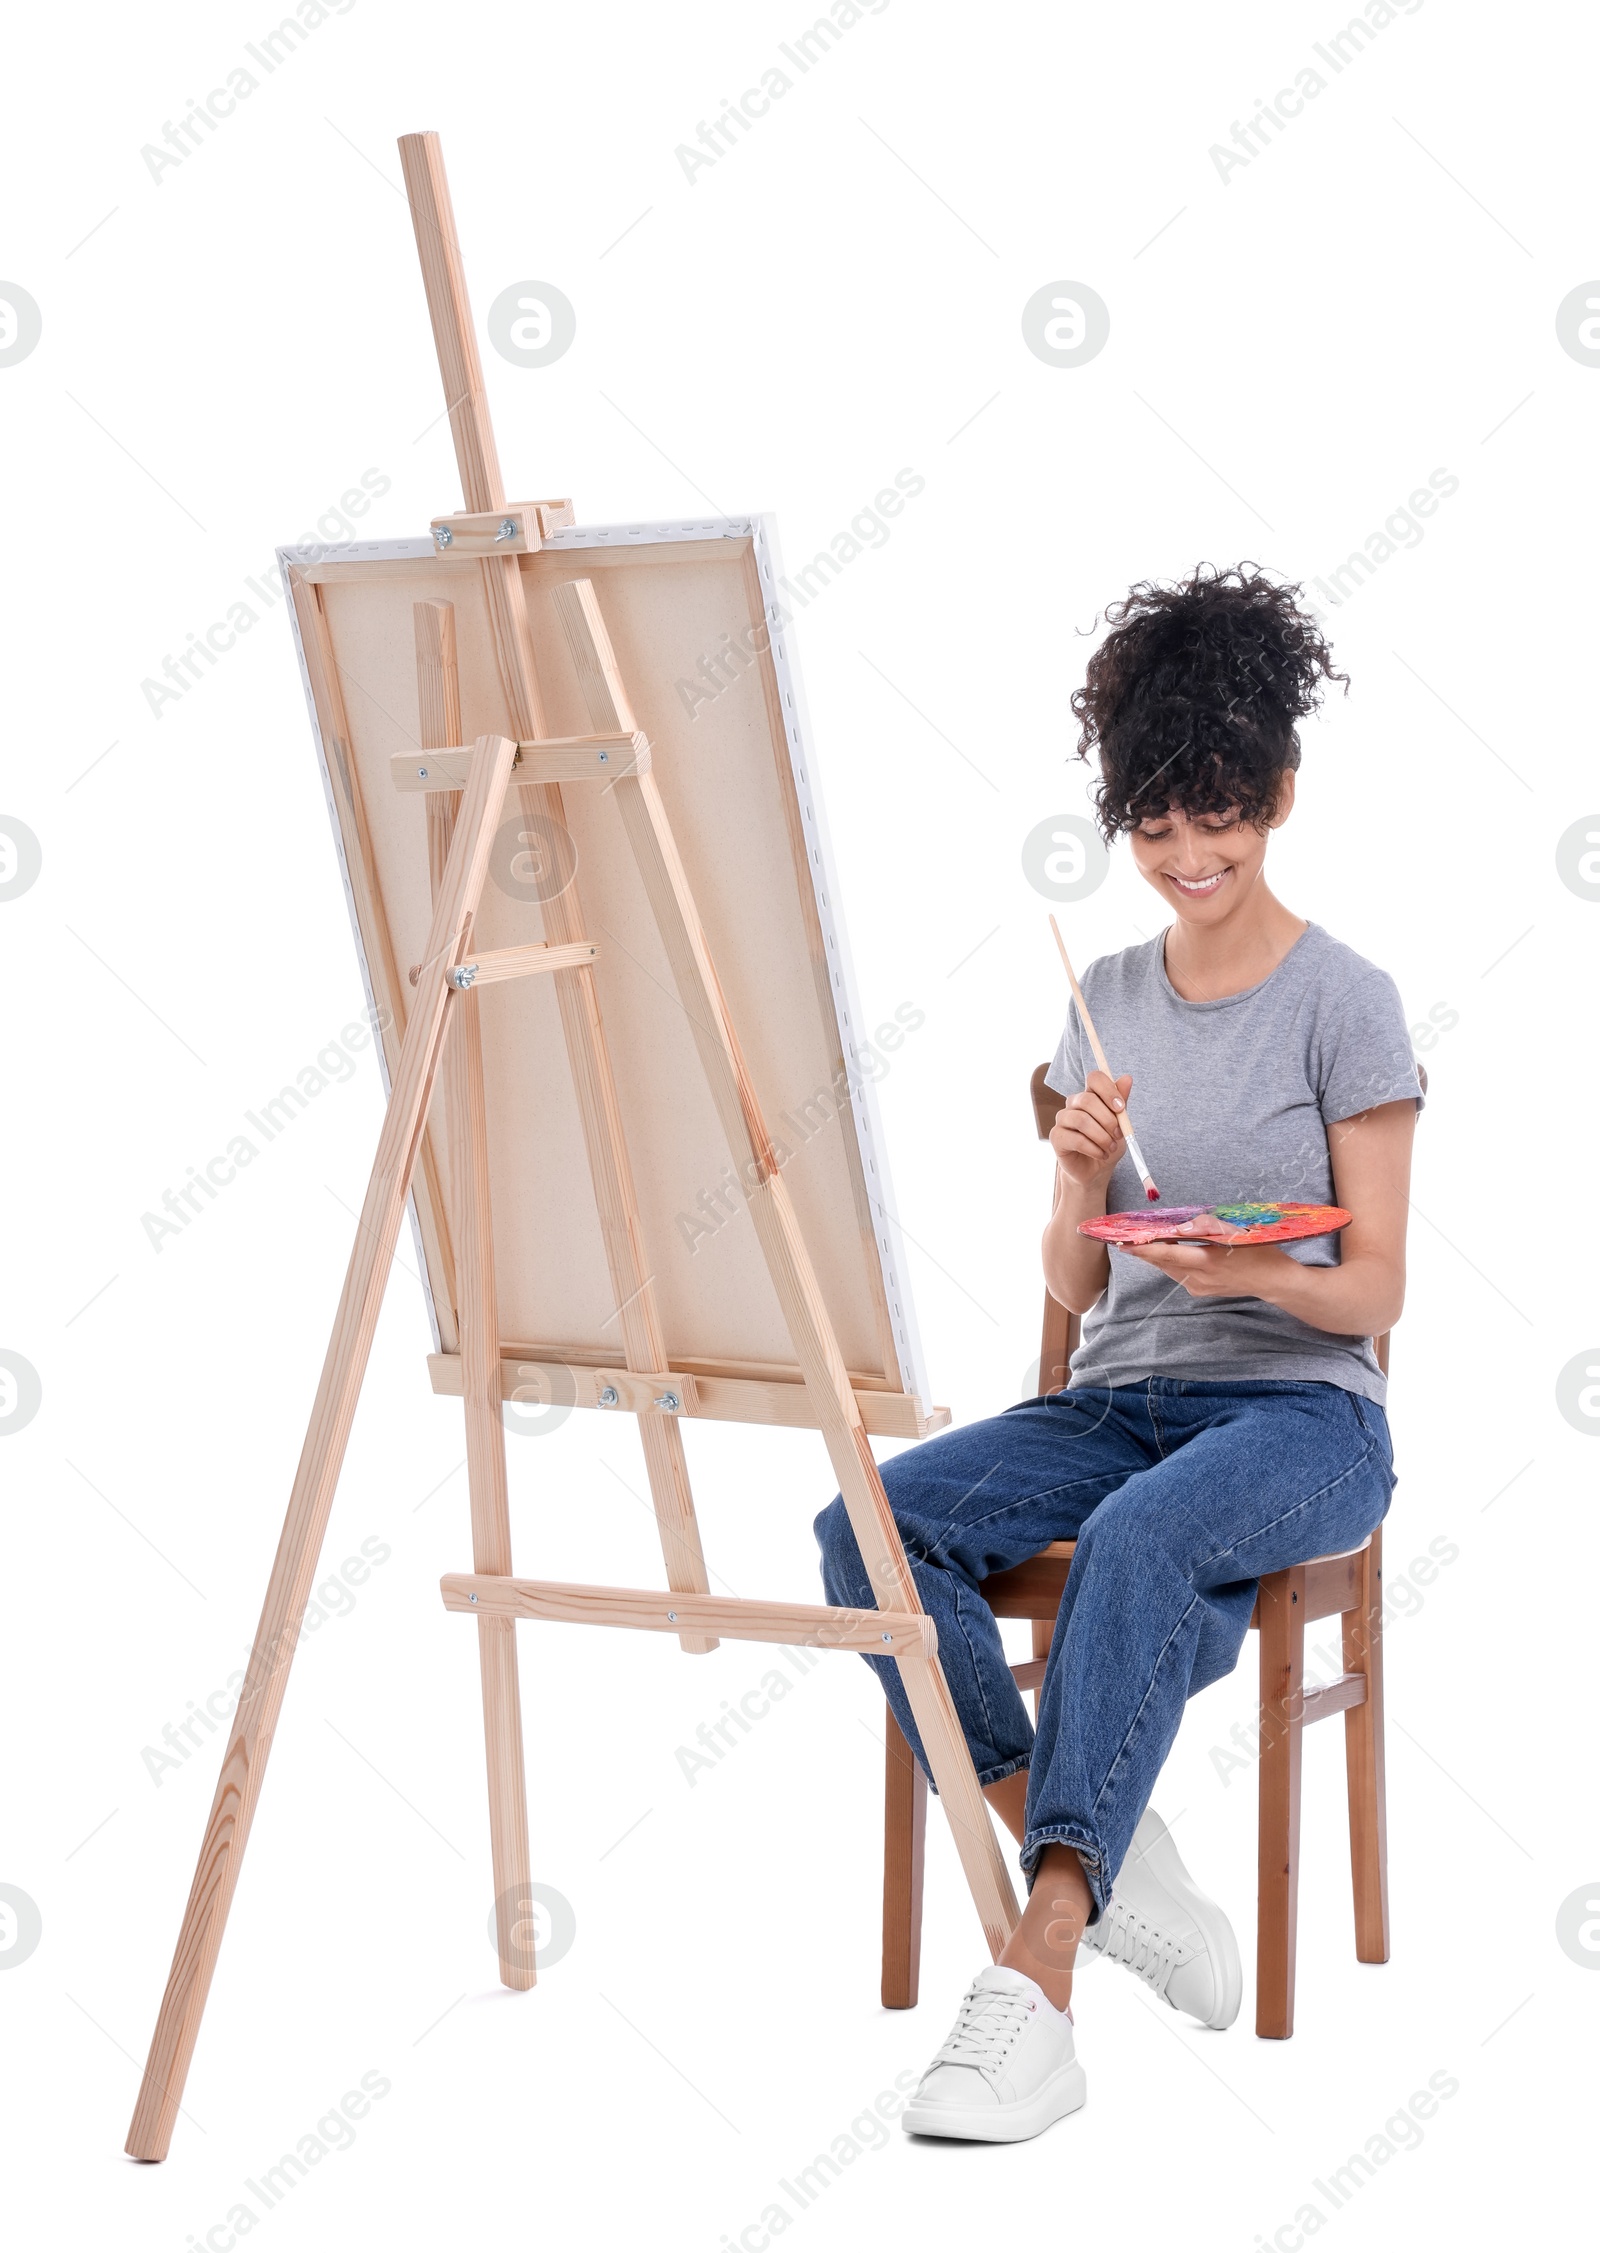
[1251,1223]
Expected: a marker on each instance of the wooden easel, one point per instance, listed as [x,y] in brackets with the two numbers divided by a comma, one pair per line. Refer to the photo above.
[442,1036]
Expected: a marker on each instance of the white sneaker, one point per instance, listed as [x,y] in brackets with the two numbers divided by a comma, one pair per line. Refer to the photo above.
[1164,1930]
[1007,2070]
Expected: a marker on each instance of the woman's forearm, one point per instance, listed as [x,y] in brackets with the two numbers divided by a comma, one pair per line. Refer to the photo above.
[1076,1268]
[1359,1299]
[1363,1295]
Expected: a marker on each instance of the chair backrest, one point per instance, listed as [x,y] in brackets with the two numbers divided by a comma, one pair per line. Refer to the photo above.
[1059,1339]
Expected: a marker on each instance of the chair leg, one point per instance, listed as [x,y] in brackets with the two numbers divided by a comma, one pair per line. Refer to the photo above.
[1282,1614]
[1044,1634]
[1363,1755]
[905,1831]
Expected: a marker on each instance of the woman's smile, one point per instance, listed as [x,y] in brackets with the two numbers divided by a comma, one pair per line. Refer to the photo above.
[1196,887]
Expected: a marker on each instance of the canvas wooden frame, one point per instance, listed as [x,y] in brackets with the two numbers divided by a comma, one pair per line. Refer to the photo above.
[887,1366]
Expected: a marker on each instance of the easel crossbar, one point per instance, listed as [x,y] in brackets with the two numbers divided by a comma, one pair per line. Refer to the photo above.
[734,1400]
[822,1626]
[535,960]
[552,758]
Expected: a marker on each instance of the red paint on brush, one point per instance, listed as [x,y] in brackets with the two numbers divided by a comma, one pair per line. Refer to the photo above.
[1154,1195]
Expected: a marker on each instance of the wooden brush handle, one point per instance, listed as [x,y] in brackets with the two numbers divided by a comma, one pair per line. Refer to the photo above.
[1088,1024]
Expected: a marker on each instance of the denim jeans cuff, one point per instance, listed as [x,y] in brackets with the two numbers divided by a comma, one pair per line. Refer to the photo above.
[994,1775]
[1088,1852]
[1004,1768]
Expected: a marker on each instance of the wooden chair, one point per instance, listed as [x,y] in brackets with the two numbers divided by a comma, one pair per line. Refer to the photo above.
[1349,1585]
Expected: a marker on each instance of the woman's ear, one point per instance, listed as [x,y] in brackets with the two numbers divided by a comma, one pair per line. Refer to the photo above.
[1285,803]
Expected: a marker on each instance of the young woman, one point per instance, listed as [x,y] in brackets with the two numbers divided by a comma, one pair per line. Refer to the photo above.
[1224,1417]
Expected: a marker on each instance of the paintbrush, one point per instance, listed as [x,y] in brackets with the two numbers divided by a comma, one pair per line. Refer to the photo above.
[1134,1151]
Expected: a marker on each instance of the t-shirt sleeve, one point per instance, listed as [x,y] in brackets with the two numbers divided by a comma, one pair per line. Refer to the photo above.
[1362,1052]
[1067,1072]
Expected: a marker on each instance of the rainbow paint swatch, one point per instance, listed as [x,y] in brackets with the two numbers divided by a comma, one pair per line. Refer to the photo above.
[1255,1224]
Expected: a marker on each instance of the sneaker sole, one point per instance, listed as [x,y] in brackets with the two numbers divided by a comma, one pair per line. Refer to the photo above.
[1064,2092]
[1161,1859]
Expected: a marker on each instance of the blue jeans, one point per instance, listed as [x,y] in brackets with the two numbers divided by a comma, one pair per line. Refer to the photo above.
[1180,1495]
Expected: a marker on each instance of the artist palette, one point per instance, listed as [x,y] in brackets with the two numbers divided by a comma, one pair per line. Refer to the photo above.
[1253,1224]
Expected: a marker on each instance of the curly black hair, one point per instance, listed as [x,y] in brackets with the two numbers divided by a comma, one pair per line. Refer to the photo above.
[1192,698]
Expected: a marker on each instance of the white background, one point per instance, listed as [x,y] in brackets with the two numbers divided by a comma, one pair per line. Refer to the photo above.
[1292,352]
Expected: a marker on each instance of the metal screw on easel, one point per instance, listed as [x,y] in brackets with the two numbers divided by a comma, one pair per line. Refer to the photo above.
[472,1599]
[672,1615]
[888,1638]
[608,1396]
[669,1401]
[508,528]
[463,975]
[443,537]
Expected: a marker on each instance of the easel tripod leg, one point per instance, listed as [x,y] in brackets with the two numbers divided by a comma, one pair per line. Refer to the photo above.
[486,1480]
[478,1327]
[305,1522]
[966,1809]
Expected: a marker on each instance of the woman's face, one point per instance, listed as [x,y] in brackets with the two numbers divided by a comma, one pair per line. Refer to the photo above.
[1203,865]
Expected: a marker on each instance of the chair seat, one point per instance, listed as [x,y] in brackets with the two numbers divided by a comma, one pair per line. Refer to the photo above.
[1033,1589]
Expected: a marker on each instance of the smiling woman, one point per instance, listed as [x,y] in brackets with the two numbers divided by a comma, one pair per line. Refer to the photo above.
[1224,1415]
[1190,706]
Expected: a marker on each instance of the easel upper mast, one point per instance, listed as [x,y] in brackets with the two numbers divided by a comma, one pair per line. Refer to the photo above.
[643,1344]
[441,1030]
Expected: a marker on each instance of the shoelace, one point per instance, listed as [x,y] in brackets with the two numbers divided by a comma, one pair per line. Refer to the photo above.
[991,2019]
[1150,1955]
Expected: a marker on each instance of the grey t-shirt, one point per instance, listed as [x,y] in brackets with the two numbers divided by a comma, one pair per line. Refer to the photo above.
[1231,1101]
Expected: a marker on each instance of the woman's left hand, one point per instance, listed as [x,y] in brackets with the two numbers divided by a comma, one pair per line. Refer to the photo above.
[1205,1265]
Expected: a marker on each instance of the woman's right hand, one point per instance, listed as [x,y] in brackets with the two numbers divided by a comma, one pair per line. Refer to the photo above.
[1087,1135]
